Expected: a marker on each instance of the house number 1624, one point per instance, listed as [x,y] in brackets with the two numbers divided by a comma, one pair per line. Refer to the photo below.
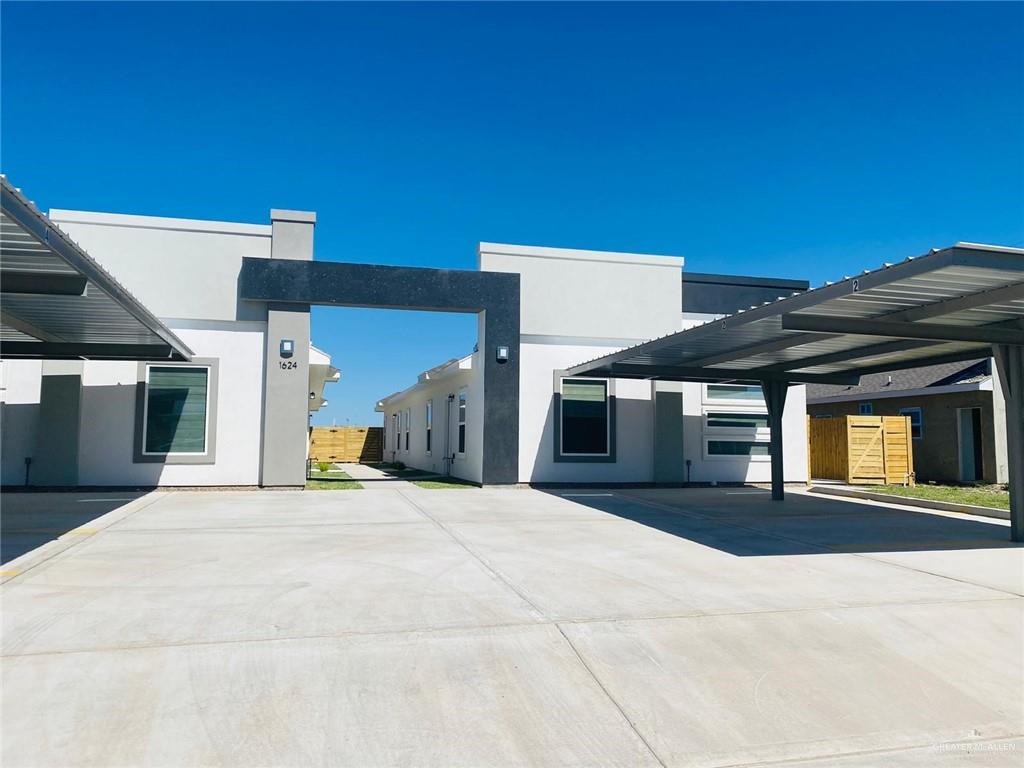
[288,364]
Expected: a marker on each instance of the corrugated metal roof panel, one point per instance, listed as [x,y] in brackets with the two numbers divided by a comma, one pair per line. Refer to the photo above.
[753,344]
[46,319]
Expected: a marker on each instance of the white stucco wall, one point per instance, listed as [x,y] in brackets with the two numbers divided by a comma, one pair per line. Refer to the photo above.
[579,305]
[591,294]
[107,431]
[19,413]
[634,437]
[185,272]
[107,414]
[735,469]
[466,466]
[178,268]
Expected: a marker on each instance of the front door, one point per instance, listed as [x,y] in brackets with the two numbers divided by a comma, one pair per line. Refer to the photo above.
[969,432]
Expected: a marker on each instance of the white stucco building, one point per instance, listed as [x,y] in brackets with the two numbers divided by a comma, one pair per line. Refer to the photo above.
[577,305]
[172,422]
[224,399]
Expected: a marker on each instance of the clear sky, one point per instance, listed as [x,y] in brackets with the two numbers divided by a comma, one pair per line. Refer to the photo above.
[804,141]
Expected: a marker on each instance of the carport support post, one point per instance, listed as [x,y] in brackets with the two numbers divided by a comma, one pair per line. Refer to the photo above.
[775,399]
[1010,366]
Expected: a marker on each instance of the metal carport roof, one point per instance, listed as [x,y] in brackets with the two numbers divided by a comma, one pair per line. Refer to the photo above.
[824,334]
[958,303]
[56,302]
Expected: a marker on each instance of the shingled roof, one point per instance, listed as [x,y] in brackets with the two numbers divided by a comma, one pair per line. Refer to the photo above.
[944,375]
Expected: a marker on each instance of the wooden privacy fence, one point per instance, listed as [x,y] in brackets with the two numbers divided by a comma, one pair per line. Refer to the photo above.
[346,444]
[863,450]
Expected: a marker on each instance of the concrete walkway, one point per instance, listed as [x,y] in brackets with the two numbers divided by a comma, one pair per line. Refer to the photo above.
[374,479]
[480,627]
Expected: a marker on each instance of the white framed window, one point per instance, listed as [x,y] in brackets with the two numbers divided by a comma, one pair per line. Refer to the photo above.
[429,415]
[176,410]
[735,425]
[749,394]
[916,421]
[585,418]
[462,421]
[752,450]
[395,438]
[736,422]
[866,409]
[407,418]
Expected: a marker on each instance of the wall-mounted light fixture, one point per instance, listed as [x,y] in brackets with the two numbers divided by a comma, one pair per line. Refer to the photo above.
[287,347]
[501,354]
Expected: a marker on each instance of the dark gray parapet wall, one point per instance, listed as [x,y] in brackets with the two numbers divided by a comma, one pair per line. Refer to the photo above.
[725,294]
[494,295]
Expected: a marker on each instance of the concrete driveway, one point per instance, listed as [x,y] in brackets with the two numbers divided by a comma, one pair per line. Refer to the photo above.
[412,627]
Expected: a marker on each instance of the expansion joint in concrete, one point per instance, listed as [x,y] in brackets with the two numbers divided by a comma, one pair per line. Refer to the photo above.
[608,695]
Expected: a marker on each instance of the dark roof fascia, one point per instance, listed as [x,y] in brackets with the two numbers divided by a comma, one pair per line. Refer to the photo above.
[708,278]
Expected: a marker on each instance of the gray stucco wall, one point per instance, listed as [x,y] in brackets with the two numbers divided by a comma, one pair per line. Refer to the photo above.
[493,296]
[726,294]
[669,448]
[286,405]
[55,458]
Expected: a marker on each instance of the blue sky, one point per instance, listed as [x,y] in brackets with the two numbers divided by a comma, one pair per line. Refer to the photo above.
[805,141]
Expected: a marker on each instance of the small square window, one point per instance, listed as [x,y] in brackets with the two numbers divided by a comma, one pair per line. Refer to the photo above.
[916,421]
[866,409]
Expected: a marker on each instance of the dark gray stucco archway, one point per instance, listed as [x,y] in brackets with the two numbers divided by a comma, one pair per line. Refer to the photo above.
[284,282]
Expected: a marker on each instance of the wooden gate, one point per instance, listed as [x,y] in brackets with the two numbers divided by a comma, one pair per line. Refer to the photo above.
[347,444]
[862,450]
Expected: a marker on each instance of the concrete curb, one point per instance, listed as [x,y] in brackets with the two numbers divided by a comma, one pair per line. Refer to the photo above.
[943,506]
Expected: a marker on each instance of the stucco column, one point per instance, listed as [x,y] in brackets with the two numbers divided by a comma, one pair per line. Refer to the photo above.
[669,450]
[286,374]
[55,457]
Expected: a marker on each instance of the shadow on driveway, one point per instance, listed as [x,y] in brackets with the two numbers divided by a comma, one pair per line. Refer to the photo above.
[29,520]
[744,521]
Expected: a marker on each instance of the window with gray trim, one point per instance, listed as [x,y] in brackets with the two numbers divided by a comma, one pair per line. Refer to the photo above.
[584,417]
[176,412]
[177,402]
